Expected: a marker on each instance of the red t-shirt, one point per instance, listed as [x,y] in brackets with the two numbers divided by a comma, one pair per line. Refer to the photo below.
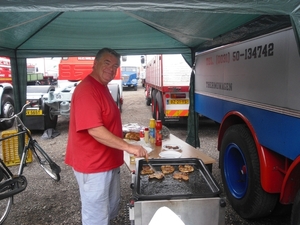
[92,106]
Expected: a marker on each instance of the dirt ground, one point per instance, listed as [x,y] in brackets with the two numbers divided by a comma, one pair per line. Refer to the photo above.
[48,202]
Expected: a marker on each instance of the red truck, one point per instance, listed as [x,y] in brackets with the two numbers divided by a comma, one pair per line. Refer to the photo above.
[74,69]
[6,93]
[167,87]
[71,71]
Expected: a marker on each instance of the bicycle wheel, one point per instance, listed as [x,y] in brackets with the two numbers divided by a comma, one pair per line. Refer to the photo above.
[6,203]
[50,167]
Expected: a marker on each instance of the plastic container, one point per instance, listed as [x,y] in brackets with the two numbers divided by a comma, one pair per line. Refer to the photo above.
[152,131]
[158,135]
[146,135]
[132,159]
[10,148]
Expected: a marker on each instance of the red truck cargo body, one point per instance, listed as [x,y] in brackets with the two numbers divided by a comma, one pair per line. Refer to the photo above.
[74,69]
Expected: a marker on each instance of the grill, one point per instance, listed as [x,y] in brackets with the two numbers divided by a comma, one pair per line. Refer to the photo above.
[199,195]
[200,184]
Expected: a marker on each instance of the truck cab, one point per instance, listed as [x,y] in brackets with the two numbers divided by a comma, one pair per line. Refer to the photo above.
[130,76]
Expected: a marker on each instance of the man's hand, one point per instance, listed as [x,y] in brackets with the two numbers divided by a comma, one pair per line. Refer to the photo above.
[102,135]
[137,151]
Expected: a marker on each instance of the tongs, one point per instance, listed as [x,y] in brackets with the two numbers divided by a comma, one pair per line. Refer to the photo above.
[149,164]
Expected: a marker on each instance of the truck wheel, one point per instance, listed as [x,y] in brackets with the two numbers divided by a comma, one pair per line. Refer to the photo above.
[159,108]
[7,110]
[148,101]
[50,119]
[240,172]
[153,102]
[135,88]
[295,218]
[119,102]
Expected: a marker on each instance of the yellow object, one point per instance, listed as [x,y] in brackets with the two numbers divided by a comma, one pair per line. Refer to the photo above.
[132,159]
[10,153]
[146,135]
[152,131]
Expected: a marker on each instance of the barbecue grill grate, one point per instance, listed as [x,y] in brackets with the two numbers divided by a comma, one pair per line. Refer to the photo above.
[200,184]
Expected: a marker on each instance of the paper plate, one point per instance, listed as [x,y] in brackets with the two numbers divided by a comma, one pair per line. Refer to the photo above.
[171,147]
[170,154]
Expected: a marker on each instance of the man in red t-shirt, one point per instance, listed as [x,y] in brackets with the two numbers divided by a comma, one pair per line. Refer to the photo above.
[95,145]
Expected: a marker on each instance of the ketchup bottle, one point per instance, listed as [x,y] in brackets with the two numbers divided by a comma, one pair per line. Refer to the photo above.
[158,135]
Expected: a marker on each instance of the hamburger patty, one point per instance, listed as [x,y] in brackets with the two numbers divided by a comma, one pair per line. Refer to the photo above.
[167,169]
[186,168]
[147,170]
[181,176]
[158,175]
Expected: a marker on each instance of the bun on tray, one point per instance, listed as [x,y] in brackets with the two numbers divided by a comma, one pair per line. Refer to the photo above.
[132,136]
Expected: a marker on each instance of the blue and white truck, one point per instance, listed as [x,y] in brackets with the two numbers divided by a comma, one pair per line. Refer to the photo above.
[252,89]
[130,71]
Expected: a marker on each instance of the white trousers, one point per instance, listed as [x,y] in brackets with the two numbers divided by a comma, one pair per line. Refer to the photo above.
[100,196]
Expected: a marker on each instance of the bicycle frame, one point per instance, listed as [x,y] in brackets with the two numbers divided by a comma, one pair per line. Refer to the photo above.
[11,184]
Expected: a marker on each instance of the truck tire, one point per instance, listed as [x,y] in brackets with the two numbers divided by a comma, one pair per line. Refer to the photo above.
[240,170]
[7,110]
[50,119]
[295,217]
[119,102]
[148,98]
[153,102]
[148,101]
[159,108]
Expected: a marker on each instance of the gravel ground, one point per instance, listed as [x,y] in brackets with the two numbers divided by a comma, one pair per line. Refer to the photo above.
[48,202]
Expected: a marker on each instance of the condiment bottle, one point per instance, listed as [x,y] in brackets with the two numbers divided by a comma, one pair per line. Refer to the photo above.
[158,135]
[146,135]
[142,134]
[152,131]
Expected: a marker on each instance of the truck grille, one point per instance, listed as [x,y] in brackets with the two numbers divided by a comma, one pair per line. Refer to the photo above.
[125,78]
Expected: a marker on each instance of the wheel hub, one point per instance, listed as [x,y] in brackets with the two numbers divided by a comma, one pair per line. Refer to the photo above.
[8,110]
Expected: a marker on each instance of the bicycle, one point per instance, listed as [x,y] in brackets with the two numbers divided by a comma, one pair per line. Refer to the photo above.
[11,184]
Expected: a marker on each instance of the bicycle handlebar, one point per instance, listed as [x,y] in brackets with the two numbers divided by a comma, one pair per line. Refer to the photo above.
[17,114]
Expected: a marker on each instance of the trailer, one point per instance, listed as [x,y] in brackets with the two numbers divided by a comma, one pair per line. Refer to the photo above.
[167,87]
[35,76]
[251,88]
[37,115]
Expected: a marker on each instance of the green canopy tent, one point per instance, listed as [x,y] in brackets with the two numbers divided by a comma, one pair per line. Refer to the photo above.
[41,28]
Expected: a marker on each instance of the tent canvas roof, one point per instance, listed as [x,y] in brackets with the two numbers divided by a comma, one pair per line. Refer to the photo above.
[40,28]
[57,28]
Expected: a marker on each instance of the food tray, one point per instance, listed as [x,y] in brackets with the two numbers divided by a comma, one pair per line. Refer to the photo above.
[200,184]
[10,146]
[171,147]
